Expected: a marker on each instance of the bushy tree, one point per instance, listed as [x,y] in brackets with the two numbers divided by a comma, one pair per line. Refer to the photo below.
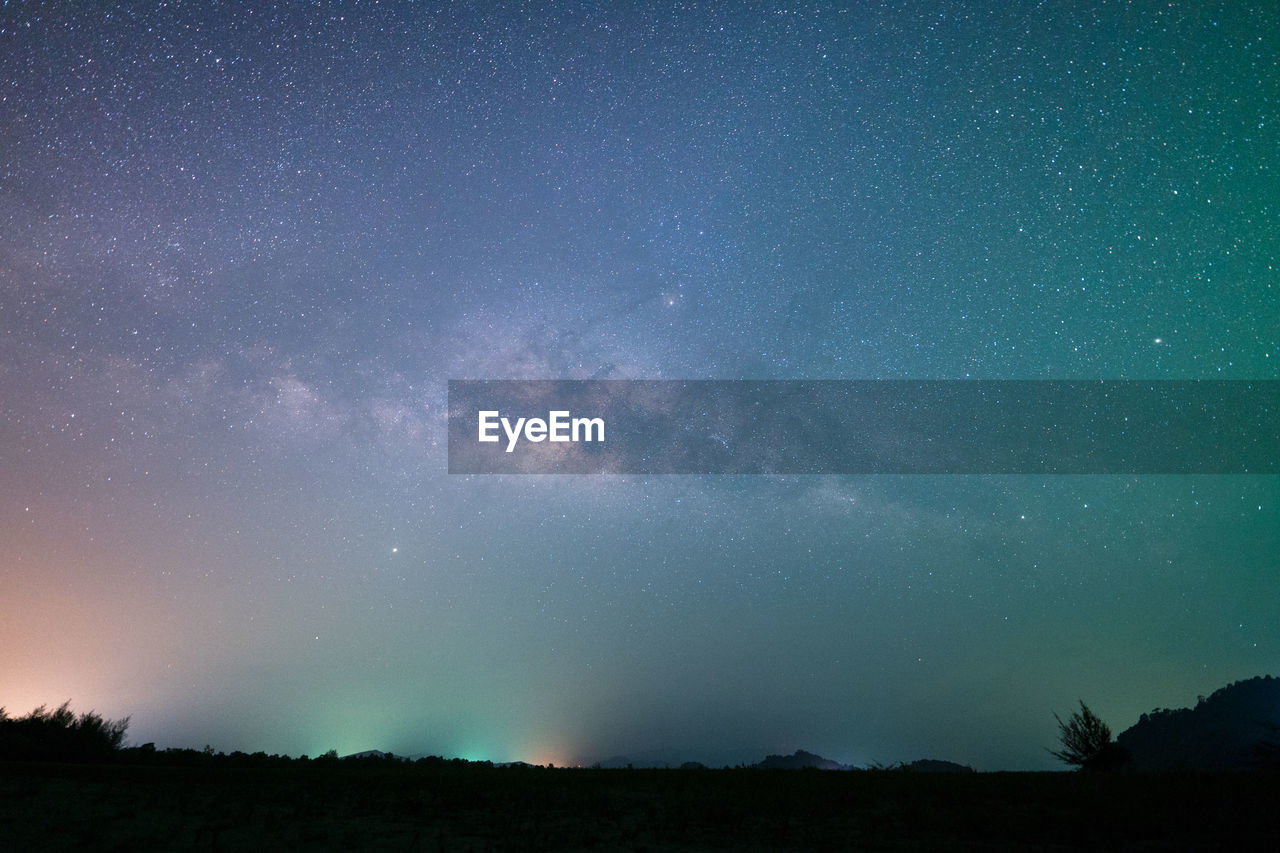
[59,735]
[1086,742]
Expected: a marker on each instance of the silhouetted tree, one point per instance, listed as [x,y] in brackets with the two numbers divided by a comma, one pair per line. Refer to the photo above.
[1086,742]
[59,735]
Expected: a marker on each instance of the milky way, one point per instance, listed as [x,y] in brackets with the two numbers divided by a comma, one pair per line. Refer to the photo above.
[243,248]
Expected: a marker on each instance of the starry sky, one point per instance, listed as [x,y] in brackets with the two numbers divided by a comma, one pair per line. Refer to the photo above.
[244,247]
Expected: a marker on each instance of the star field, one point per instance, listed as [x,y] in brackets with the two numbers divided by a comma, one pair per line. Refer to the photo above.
[243,247]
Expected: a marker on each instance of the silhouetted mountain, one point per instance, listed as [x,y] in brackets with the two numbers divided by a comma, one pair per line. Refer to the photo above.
[934,765]
[374,753]
[1229,730]
[622,762]
[799,761]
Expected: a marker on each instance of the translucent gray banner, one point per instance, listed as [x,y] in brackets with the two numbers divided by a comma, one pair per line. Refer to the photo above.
[864,427]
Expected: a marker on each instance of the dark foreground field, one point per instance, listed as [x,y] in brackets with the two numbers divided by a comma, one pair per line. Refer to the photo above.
[383,806]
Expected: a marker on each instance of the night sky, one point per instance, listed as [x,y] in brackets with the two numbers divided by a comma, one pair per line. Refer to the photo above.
[243,248]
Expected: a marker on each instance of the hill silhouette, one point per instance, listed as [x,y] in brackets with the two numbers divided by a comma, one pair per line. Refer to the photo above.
[623,762]
[1236,728]
[800,760]
[934,765]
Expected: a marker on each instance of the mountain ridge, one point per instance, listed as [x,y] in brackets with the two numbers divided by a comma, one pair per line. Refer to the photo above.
[1237,727]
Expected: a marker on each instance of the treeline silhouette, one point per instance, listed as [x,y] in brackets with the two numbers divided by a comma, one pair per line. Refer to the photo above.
[208,757]
[63,736]
[60,735]
[75,786]
[1236,728]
